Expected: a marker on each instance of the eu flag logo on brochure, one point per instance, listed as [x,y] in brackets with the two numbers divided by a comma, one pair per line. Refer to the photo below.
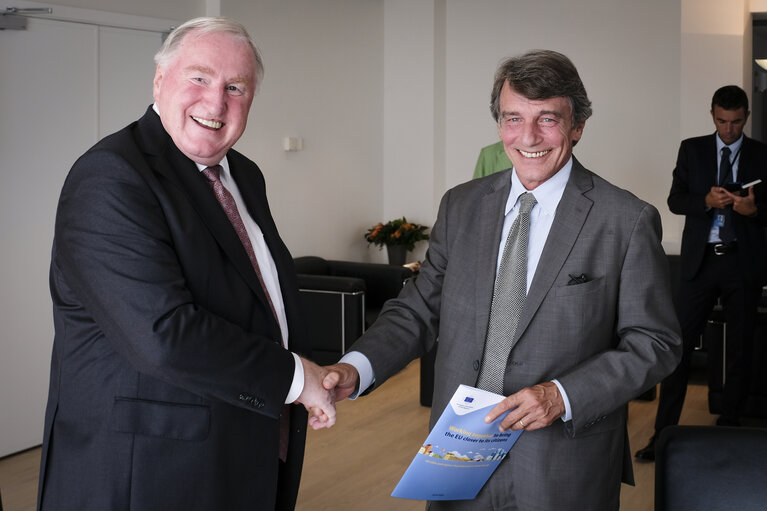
[460,453]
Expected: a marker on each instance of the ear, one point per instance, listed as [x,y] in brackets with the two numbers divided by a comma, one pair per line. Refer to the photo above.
[157,82]
[577,132]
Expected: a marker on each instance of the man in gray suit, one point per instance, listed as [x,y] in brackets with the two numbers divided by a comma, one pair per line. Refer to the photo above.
[597,327]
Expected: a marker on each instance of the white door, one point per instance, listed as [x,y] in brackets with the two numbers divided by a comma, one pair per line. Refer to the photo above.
[63,85]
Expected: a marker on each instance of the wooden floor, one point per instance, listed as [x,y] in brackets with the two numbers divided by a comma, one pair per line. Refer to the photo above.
[356,464]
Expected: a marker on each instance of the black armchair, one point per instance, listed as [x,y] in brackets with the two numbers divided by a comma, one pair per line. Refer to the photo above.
[710,468]
[342,298]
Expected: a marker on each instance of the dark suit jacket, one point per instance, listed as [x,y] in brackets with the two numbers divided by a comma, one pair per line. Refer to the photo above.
[606,340]
[168,376]
[693,177]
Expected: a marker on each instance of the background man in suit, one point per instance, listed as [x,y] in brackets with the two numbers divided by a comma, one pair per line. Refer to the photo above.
[596,328]
[722,253]
[170,374]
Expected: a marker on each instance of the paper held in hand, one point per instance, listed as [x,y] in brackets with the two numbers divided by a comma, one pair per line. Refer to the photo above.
[460,453]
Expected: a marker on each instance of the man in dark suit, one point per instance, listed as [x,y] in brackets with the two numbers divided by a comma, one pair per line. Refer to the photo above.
[176,308]
[596,327]
[723,250]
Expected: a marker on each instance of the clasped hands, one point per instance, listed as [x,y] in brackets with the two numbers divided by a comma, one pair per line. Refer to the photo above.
[530,408]
[323,387]
[719,198]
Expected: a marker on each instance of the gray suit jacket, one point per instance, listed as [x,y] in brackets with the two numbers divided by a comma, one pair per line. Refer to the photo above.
[606,340]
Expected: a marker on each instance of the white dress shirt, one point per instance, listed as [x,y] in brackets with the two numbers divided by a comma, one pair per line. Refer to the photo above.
[268,271]
[266,266]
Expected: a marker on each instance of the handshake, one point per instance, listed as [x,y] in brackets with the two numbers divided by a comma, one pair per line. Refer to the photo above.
[323,387]
[529,408]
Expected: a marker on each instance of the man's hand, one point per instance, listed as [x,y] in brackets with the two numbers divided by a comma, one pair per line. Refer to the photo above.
[531,408]
[318,401]
[718,198]
[745,205]
[343,378]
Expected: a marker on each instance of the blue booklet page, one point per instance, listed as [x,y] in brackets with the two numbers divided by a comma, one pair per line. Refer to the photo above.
[460,453]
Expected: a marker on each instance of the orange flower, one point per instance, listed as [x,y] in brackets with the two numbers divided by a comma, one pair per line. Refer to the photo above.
[376,230]
[396,232]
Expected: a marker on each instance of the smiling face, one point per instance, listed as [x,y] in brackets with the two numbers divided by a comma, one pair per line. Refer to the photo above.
[538,135]
[204,94]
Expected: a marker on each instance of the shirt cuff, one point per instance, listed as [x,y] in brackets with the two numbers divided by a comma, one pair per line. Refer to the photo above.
[568,416]
[298,381]
[362,364]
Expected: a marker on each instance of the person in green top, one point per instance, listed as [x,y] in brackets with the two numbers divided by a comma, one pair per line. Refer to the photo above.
[491,159]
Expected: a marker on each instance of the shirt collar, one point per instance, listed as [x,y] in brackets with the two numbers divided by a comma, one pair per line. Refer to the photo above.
[734,147]
[547,194]
[224,166]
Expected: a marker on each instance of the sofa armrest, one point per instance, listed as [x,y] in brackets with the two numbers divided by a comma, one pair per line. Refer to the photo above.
[330,283]
[384,281]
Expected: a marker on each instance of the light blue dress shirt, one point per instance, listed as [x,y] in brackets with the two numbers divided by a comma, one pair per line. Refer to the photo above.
[713,236]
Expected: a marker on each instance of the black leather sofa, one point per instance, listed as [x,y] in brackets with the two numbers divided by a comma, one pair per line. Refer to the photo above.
[342,298]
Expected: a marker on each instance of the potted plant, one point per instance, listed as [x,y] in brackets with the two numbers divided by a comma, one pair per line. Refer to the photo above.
[398,236]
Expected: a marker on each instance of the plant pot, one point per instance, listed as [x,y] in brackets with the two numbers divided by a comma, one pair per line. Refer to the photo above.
[397,254]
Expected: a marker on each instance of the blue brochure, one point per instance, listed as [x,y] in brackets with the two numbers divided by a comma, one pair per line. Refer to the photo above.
[460,453]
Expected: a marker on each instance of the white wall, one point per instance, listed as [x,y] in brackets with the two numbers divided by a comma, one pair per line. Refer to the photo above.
[64,86]
[410,97]
[324,83]
[170,9]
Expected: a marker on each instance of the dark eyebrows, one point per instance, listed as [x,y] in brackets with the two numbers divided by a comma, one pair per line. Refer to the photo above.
[551,113]
[732,121]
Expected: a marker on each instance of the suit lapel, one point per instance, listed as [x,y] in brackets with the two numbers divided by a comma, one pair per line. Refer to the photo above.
[489,233]
[745,167]
[165,158]
[712,175]
[253,191]
[250,182]
[572,212]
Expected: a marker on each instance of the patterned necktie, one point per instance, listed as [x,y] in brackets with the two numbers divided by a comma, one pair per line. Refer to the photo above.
[508,299]
[726,232]
[232,213]
[229,206]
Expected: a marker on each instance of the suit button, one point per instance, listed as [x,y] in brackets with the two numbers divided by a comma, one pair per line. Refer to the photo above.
[476,365]
[259,403]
